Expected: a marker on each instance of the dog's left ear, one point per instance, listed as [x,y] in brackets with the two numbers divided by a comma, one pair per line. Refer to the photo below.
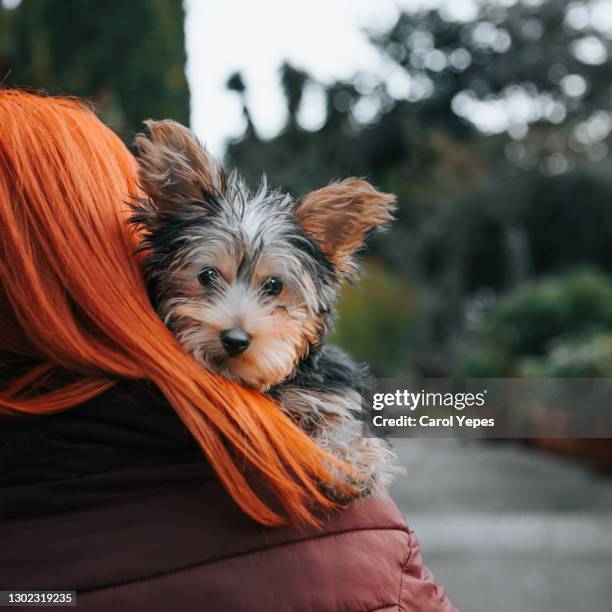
[340,216]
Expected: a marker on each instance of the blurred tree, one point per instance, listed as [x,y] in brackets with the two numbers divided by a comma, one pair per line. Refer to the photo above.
[126,57]
[235,83]
[537,63]
[293,81]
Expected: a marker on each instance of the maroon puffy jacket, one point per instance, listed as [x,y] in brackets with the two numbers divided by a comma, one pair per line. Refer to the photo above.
[112,499]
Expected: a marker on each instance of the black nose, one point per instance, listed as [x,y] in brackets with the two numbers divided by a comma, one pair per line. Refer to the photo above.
[235,341]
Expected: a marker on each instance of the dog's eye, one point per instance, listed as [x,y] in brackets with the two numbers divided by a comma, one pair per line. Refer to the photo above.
[207,276]
[273,286]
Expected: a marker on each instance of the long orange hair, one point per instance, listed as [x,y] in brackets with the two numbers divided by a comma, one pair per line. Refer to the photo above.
[72,299]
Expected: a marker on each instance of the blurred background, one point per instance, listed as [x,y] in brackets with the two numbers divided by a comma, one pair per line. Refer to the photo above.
[491,121]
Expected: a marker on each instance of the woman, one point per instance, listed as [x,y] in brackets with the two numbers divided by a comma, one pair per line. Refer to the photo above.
[103,490]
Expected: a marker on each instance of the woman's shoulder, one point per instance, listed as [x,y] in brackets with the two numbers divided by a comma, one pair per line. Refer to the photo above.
[189,546]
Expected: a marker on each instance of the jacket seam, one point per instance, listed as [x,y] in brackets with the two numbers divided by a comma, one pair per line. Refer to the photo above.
[403,570]
[254,551]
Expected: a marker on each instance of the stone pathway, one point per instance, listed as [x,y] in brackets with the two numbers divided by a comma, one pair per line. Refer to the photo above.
[509,529]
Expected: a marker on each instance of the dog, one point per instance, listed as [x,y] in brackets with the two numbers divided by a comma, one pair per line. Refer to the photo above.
[247,282]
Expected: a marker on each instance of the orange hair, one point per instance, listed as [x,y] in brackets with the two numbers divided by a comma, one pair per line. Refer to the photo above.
[72,299]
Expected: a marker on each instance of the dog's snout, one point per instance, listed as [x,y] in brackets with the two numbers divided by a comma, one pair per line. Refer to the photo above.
[235,341]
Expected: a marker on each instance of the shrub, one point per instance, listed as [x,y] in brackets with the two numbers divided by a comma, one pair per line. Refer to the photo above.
[540,323]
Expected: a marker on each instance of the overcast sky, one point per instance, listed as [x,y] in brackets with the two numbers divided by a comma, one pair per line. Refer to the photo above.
[325,37]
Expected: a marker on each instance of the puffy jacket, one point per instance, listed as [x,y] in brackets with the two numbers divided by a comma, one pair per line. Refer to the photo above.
[112,499]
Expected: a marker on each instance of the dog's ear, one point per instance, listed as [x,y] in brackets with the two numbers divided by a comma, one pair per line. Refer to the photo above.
[174,167]
[340,216]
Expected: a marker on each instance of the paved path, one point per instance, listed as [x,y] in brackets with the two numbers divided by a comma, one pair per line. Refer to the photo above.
[508,529]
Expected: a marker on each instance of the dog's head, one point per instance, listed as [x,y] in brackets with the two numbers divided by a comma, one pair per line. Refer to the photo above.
[247,281]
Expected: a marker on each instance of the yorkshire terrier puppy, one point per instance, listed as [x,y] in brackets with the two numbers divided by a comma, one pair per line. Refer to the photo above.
[248,282]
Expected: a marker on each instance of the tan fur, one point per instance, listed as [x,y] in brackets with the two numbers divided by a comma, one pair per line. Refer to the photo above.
[340,215]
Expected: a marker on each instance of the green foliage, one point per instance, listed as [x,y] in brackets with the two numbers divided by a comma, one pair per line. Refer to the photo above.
[543,326]
[126,57]
[376,320]
[586,357]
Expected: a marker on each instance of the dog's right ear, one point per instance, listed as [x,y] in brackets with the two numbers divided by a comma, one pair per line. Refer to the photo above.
[174,167]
